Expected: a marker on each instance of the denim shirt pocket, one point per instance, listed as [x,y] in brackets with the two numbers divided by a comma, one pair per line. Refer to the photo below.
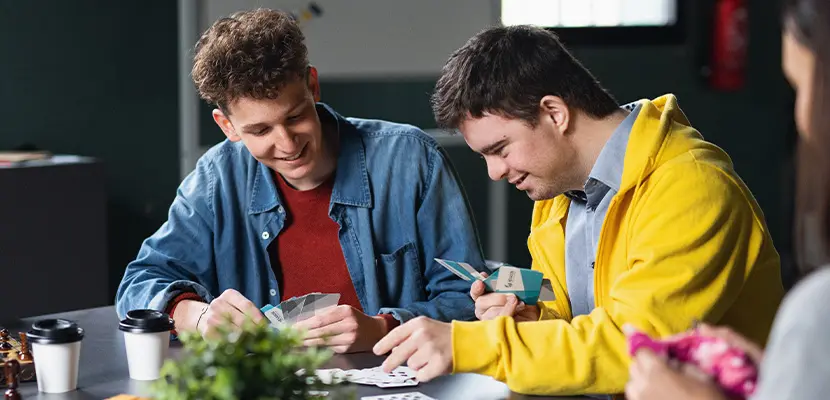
[403,275]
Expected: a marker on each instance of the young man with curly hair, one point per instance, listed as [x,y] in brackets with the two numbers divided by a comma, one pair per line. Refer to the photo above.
[300,199]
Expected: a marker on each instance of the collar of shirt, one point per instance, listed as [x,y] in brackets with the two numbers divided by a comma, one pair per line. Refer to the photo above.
[606,173]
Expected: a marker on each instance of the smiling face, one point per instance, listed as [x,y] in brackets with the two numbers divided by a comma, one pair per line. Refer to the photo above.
[540,160]
[283,133]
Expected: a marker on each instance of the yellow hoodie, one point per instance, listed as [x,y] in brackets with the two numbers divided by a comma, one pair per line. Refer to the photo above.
[683,240]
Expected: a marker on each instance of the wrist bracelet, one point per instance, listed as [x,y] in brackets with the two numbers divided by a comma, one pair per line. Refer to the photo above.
[201,315]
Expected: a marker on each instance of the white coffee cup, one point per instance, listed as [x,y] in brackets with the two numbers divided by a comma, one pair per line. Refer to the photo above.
[56,347]
[147,339]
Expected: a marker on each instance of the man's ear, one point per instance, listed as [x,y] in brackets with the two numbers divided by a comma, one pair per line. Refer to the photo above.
[314,83]
[555,112]
[225,125]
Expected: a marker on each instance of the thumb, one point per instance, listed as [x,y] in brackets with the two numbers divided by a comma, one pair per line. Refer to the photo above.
[476,290]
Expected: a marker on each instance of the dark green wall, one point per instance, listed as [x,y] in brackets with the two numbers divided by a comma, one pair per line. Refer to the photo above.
[97,78]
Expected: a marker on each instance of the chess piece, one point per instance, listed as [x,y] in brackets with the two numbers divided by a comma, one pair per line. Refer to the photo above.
[4,340]
[24,354]
[12,369]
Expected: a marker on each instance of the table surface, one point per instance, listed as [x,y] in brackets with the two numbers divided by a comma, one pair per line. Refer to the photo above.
[103,367]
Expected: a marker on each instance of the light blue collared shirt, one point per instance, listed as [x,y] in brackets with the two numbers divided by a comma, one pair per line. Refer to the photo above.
[587,213]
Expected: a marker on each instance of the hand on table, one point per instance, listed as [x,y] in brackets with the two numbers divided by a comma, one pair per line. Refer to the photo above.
[344,329]
[492,305]
[425,345]
[229,306]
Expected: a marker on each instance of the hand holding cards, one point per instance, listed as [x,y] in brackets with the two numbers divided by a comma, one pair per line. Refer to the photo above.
[528,285]
[300,308]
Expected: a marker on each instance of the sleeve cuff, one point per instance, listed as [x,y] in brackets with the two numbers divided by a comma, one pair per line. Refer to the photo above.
[171,307]
[391,322]
[473,346]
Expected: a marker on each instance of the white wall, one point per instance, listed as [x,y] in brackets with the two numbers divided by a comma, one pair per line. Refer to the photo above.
[377,38]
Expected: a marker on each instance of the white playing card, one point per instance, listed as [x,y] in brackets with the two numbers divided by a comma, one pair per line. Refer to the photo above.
[408,382]
[399,396]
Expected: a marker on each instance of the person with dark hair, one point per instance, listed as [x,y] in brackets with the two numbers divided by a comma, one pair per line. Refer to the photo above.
[794,365]
[637,220]
[300,199]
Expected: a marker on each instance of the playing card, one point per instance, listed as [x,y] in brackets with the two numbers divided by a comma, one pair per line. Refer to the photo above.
[463,270]
[297,309]
[274,314]
[526,284]
[399,396]
[546,292]
[408,382]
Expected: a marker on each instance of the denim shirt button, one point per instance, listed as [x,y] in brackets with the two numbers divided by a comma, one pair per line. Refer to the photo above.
[273,292]
[265,235]
[280,209]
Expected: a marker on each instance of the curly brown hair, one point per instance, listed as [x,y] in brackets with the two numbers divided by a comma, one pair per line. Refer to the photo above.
[249,54]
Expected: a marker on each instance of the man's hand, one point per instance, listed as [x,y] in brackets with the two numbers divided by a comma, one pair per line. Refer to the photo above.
[344,329]
[652,378]
[229,306]
[424,344]
[492,305]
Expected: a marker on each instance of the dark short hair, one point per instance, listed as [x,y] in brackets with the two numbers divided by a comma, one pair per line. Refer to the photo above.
[249,54]
[507,71]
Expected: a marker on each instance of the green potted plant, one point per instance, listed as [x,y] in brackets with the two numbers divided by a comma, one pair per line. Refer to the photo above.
[256,362]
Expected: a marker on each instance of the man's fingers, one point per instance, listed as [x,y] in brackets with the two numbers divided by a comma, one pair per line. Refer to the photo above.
[394,338]
[428,372]
[477,290]
[492,300]
[343,339]
[336,328]
[510,308]
[241,303]
[220,311]
[399,355]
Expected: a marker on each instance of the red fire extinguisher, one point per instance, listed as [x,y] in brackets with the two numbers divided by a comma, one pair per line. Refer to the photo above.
[730,38]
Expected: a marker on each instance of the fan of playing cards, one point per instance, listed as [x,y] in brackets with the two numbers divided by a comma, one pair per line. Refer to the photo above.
[297,309]
[401,376]
[528,285]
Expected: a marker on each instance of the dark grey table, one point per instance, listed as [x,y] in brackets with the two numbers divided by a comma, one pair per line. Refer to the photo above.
[103,367]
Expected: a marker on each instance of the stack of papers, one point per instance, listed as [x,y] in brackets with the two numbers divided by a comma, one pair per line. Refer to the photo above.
[528,285]
[297,309]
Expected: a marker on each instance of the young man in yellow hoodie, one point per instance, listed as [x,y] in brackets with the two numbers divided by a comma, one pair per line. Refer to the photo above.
[637,221]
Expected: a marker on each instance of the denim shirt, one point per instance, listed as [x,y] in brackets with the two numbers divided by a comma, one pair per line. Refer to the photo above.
[396,198]
[586,215]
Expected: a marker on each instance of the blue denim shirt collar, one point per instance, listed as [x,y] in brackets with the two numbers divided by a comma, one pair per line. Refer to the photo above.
[351,182]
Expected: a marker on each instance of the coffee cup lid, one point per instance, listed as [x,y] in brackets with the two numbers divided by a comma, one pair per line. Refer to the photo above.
[146,321]
[55,331]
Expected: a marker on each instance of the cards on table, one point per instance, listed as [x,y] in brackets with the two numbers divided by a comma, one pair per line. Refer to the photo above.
[399,377]
[528,285]
[300,308]
[399,396]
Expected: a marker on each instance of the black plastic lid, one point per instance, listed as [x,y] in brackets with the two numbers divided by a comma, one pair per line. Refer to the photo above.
[55,331]
[146,321]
